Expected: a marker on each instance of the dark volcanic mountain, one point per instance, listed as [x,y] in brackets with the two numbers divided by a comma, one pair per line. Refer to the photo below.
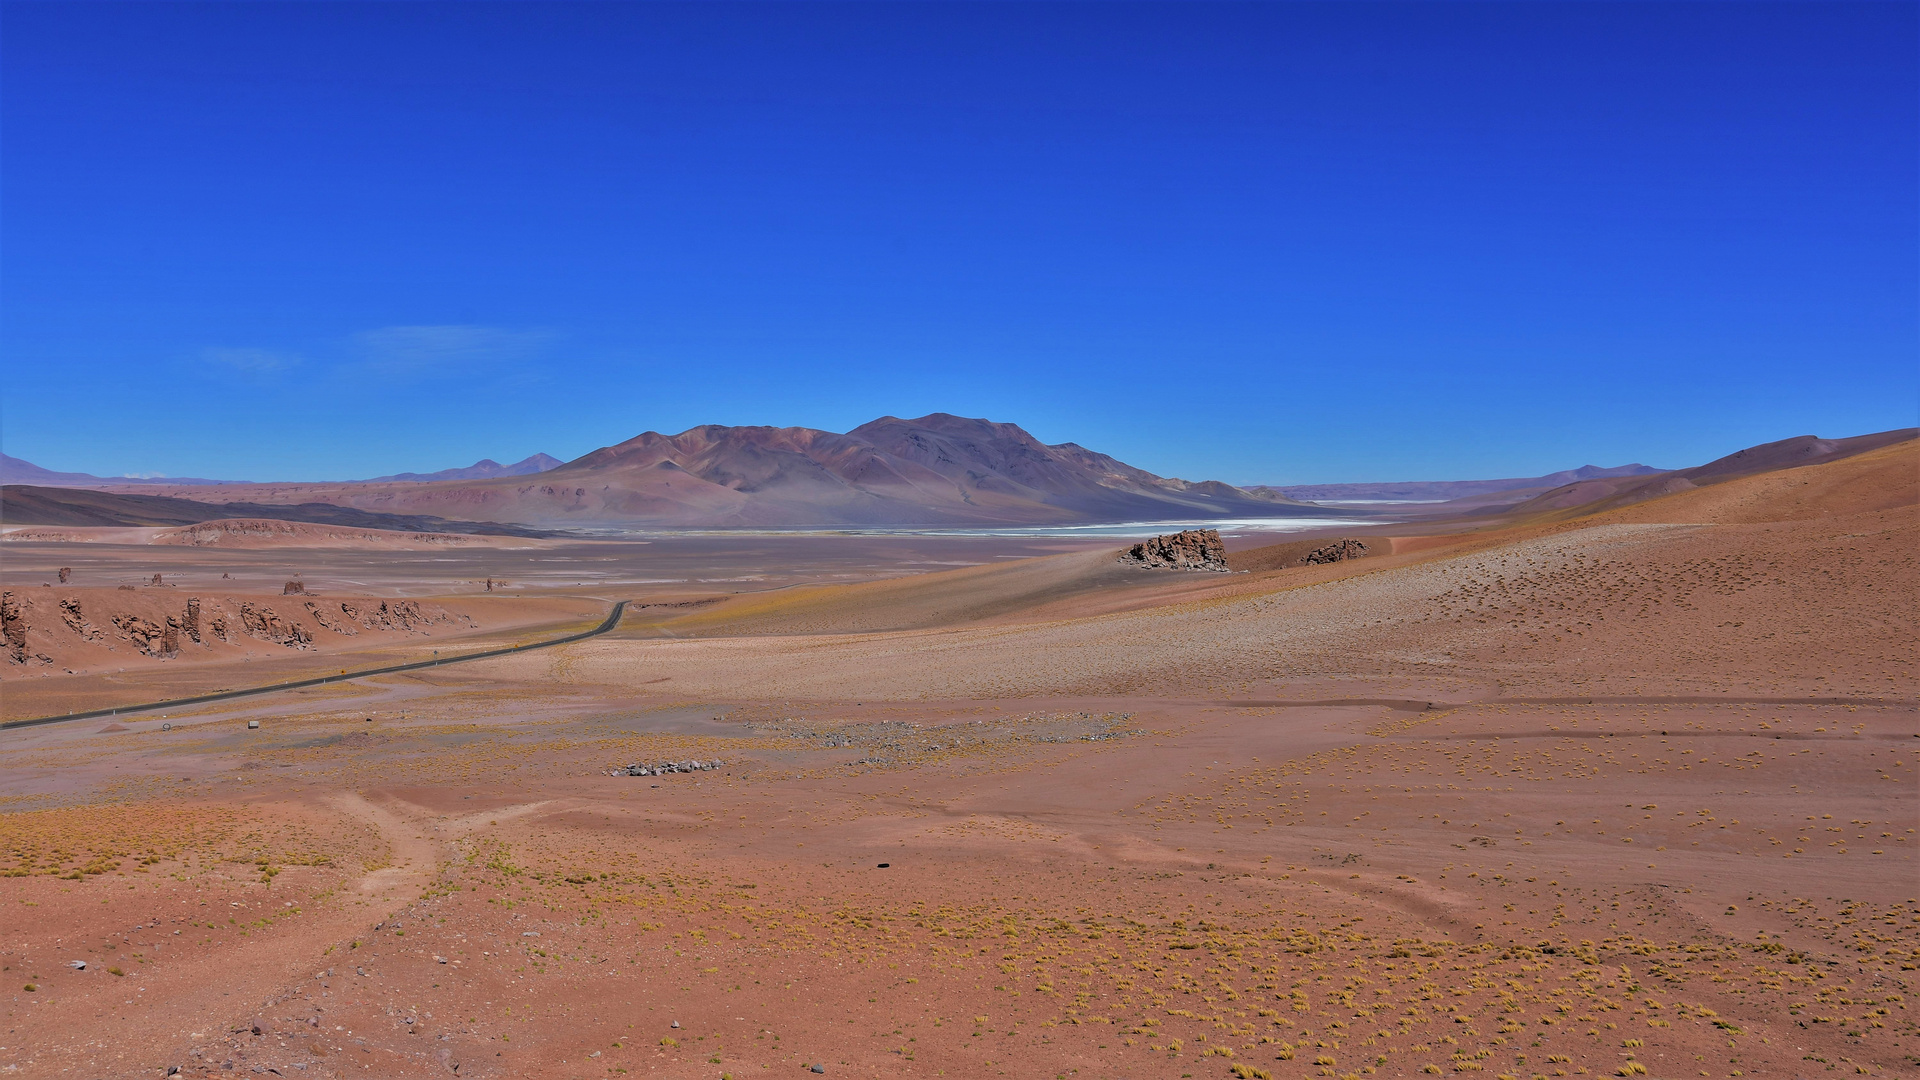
[938,469]
[25,504]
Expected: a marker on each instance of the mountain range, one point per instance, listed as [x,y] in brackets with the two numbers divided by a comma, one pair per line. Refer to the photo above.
[1448,490]
[484,469]
[15,470]
[938,469]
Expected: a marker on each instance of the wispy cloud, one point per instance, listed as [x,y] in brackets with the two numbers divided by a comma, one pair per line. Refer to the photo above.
[409,352]
[254,362]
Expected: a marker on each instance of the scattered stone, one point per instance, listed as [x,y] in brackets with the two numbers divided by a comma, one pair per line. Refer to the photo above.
[1338,551]
[676,1023]
[665,767]
[1194,549]
[77,965]
[819,1068]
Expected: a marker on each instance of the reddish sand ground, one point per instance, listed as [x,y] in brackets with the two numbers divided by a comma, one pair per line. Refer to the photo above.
[1617,796]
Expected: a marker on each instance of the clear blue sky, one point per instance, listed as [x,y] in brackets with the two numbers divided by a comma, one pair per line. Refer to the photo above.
[1283,243]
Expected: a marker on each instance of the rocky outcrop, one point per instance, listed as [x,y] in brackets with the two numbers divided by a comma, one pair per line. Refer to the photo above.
[76,621]
[1338,551]
[192,622]
[329,620]
[394,615]
[1194,549]
[66,574]
[266,624]
[13,628]
[147,636]
[293,588]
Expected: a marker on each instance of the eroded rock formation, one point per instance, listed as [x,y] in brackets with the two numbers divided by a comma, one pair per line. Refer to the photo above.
[1194,549]
[329,621]
[192,622]
[147,636]
[293,588]
[76,621]
[13,628]
[393,615]
[1337,551]
[266,624]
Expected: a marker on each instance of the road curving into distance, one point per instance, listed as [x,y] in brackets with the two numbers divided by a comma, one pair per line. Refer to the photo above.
[612,620]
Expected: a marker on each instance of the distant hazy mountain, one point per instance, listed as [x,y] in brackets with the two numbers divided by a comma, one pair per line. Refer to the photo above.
[15,471]
[1590,494]
[936,470]
[1444,490]
[484,469]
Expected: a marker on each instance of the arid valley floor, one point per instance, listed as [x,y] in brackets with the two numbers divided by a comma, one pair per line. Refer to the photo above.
[1625,794]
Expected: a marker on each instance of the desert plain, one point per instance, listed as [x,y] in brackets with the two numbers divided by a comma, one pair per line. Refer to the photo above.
[1624,793]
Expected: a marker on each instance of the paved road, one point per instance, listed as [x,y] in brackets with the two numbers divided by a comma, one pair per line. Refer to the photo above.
[613,620]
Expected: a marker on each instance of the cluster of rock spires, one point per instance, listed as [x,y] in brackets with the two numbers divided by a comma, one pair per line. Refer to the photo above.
[162,639]
[665,767]
[1337,551]
[1194,549]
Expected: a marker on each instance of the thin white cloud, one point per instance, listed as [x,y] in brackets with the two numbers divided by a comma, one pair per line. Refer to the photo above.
[255,362]
[429,351]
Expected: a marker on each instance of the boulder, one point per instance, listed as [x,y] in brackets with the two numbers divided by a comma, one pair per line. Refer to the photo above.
[1194,549]
[1338,551]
